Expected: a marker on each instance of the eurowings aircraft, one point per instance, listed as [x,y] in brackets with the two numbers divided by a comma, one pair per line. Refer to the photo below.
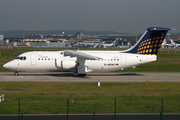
[81,62]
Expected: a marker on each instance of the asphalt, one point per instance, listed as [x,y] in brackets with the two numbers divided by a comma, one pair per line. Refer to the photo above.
[91,77]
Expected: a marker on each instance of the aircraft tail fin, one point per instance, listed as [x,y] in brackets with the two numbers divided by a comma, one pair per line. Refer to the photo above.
[113,43]
[150,41]
[103,42]
[164,41]
[172,42]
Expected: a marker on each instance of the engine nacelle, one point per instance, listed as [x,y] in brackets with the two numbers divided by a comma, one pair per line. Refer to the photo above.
[68,64]
[65,64]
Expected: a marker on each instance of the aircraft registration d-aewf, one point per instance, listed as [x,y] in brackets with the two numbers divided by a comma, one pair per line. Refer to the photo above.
[81,62]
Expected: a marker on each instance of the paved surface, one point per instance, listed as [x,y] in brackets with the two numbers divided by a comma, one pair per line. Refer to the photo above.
[91,77]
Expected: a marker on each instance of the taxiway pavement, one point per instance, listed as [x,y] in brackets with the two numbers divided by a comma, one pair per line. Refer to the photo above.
[91,77]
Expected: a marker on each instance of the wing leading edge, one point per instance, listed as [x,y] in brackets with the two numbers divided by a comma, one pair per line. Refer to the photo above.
[79,54]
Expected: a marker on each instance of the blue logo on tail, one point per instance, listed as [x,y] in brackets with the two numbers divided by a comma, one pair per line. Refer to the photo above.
[150,42]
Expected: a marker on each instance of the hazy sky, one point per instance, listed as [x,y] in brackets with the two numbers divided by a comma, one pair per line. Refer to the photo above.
[132,16]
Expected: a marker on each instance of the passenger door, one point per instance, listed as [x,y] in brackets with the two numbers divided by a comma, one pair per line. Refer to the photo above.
[33,59]
[123,60]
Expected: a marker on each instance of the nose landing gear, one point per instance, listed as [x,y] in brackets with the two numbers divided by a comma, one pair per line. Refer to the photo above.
[16,73]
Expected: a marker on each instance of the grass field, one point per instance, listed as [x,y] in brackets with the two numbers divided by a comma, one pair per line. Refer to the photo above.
[131,97]
[168,60]
[51,98]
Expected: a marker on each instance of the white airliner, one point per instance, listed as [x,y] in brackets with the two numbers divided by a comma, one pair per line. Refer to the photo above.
[164,44]
[81,62]
[94,45]
[174,44]
[109,45]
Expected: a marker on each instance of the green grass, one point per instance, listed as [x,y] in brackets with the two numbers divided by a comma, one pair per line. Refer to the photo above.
[42,98]
[51,98]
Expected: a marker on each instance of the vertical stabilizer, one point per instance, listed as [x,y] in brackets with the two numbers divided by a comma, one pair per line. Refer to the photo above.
[150,42]
[172,42]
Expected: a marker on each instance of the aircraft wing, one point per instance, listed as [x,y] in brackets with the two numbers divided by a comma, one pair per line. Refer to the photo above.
[79,54]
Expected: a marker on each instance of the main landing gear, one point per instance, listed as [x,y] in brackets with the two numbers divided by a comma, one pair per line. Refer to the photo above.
[83,75]
[16,73]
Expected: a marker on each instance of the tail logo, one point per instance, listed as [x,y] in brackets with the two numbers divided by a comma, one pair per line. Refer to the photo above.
[150,46]
[150,42]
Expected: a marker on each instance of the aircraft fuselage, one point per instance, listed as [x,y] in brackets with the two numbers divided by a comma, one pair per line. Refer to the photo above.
[57,61]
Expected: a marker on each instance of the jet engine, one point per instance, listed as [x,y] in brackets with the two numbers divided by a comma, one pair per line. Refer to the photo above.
[68,64]
[65,64]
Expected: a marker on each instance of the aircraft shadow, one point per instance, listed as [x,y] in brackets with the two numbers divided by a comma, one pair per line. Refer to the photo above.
[93,74]
[74,75]
[118,74]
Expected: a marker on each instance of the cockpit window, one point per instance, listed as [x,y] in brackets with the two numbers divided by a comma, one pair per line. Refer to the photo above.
[21,58]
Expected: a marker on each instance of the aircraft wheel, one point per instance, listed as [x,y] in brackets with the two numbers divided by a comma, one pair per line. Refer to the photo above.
[16,73]
[83,75]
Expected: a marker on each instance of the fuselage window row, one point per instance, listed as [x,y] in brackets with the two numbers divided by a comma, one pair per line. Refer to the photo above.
[44,59]
[87,60]
[104,60]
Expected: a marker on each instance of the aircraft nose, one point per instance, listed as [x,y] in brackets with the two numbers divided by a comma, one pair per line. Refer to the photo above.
[7,65]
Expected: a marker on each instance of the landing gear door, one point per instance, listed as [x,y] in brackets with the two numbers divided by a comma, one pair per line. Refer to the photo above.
[33,59]
[123,60]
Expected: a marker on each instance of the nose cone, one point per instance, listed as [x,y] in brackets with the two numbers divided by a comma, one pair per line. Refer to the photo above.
[7,66]
[12,65]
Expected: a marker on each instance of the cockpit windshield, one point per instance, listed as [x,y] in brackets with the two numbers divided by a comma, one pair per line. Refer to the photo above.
[17,57]
[21,58]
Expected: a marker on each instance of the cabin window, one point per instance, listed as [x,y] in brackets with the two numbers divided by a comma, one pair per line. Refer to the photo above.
[48,58]
[42,59]
[117,59]
[38,58]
